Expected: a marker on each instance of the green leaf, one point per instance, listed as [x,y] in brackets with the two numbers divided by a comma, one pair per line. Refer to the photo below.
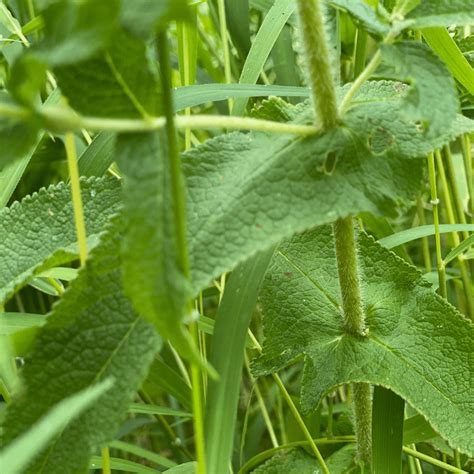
[18,136]
[416,429]
[262,45]
[387,431]
[27,77]
[143,17]
[431,99]
[39,232]
[10,323]
[442,13]
[121,82]
[91,335]
[190,96]
[98,156]
[186,468]
[461,248]
[16,456]
[414,233]
[11,174]
[248,191]
[418,345]
[446,48]
[295,461]
[227,356]
[142,453]
[156,410]
[237,19]
[75,31]
[364,15]
[118,464]
[152,278]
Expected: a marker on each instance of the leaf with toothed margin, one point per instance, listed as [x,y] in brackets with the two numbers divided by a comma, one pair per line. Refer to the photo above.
[418,345]
[91,335]
[152,277]
[39,232]
[247,191]
[431,100]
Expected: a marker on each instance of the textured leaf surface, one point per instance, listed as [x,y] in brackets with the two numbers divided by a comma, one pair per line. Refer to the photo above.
[38,232]
[120,82]
[432,98]
[364,14]
[152,277]
[19,453]
[418,345]
[442,13]
[91,335]
[248,191]
[295,461]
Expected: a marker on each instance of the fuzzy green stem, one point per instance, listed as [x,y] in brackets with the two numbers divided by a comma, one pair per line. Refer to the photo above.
[362,397]
[317,62]
[179,206]
[346,256]
[71,155]
[435,203]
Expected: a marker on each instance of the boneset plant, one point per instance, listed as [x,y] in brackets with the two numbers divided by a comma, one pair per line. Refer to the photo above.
[138,238]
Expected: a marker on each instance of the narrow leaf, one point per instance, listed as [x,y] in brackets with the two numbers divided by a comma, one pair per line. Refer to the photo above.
[461,248]
[228,348]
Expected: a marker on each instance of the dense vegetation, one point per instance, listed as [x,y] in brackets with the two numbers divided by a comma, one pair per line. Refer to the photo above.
[236,236]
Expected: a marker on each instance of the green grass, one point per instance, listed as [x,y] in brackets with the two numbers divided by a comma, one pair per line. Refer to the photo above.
[236,236]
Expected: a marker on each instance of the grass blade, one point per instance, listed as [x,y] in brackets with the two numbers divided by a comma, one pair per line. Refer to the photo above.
[156,410]
[414,233]
[268,33]
[464,245]
[444,46]
[232,321]
[143,453]
[387,431]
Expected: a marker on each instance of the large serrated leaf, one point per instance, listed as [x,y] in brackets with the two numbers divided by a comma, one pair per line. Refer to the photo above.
[38,232]
[442,13]
[418,345]
[91,335]
[248,191]
[121,81]
[432,98]
[152,277]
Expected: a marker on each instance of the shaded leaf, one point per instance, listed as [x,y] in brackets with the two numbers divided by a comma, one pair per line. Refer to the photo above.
[442,13]
[91,335]
[295,461]
[38,232]
[418,345]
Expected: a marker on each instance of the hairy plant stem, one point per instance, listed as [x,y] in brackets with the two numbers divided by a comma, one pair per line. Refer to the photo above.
[324,98]
[179,206]
[318,63]
[62,119]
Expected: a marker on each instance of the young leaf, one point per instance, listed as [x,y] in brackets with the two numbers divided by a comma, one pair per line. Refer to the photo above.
[16,456]
[120,82]
[442,13]
[417,344]
[38,232]
[295,461]
[152,278]
[91,335]
[432,98]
